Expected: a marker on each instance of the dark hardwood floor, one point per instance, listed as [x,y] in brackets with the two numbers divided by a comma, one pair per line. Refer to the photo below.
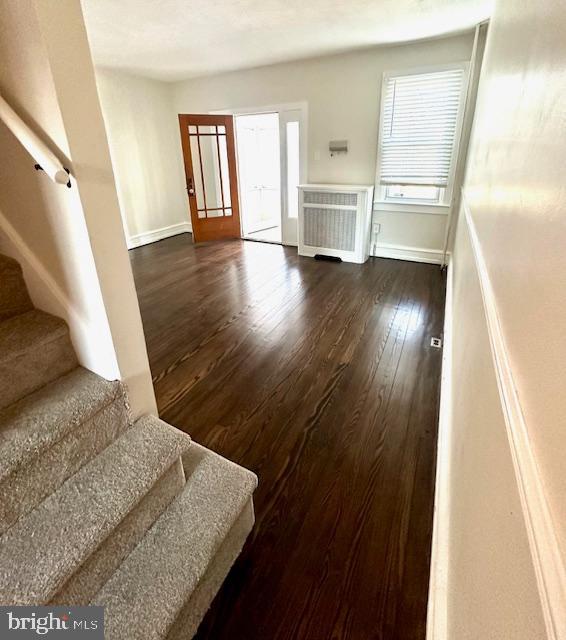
[321,379]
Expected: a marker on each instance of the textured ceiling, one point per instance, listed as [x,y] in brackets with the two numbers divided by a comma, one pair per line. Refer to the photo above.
[176,39]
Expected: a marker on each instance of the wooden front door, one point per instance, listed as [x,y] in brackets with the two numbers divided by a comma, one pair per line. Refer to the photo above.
[210,170]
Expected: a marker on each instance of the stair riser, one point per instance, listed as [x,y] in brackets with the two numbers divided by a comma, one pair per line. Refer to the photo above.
[190,547]
[194,610]
[44,549]
[94,573]
[29,485]
[35,368]
[14,297]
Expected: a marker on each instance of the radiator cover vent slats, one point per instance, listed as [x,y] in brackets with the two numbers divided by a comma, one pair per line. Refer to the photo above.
[330,228]
[329,197]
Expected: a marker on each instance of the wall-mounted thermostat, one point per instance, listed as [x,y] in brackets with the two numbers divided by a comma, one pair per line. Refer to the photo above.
[338,146]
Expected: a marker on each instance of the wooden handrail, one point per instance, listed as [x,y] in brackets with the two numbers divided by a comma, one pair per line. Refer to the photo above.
[44,158]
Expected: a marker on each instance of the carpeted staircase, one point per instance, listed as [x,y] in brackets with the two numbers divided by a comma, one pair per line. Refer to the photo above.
[95,509]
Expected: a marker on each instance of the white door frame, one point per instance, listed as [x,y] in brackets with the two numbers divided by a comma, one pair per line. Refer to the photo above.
[289,226]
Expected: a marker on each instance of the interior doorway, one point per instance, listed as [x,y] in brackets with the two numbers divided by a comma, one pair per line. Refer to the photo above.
[258,151]
[256,137]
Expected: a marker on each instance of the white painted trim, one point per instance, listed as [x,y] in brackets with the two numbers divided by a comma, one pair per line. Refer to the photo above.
[437,617]
[271,108]
[476,60]
[406,207]
[289,234]
[543,541]
[158,234]
[404,252]
[330,186]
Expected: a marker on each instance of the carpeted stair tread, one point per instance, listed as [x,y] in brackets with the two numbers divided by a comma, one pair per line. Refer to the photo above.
[35,349]
[149,589]
[41,419]
[50,434]
[44,548]
[34,327]
[100,565]
[14,296]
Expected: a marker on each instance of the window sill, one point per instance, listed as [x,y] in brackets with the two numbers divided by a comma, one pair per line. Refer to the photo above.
[411,207]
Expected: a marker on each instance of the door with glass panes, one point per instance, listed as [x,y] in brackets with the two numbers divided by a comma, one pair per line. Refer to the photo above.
[211,175]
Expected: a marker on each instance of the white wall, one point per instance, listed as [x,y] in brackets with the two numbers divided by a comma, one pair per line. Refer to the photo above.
[343,96]
[483,581]
[70,241]
[143,135]
[506,514]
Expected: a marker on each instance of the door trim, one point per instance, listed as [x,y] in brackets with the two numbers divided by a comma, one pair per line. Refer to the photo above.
[280,109]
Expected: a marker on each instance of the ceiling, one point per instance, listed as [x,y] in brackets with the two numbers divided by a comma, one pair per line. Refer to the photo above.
[177,39]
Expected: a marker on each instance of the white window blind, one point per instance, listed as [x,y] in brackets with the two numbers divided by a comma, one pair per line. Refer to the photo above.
[419,127]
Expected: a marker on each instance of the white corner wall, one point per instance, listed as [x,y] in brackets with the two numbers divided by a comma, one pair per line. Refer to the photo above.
[343,96]
[70,241]
[143,135]
[500,513]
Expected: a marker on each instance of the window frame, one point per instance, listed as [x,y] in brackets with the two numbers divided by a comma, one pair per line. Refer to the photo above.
[446,193]
[401,199]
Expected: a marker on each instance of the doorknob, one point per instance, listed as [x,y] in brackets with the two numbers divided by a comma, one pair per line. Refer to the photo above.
[191,186]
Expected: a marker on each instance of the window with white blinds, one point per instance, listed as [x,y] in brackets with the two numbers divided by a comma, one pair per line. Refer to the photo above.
[419,128]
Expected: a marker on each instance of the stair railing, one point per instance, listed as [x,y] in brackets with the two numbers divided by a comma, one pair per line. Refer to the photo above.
[45,159]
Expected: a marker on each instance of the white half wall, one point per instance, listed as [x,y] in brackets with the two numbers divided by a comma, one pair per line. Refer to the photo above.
[483,582]
[504,483]
[343,94]
[143,135]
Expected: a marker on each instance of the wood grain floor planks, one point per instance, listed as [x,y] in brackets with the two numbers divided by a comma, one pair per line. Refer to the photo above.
[321,379]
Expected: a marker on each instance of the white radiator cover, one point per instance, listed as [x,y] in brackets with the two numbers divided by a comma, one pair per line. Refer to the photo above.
[335,220]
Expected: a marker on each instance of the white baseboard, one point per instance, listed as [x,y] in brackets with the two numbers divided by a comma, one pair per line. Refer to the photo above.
[403,252]
[158,234]
[437,617]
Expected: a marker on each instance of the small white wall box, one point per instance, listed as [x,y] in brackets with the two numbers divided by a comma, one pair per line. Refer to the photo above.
[335,220]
